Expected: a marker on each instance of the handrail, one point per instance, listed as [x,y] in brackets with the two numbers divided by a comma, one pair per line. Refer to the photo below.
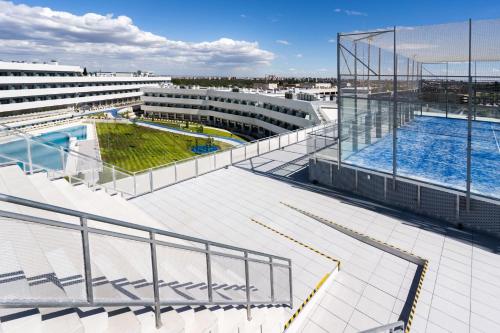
[131,184]
[108,220]
[273,262]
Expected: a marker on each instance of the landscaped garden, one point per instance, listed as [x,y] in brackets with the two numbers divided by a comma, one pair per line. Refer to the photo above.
[194,127]
[135,148]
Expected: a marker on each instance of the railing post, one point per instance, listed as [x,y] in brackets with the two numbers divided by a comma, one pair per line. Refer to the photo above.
[135,185]
[151,180]
[231,156]
[63,161]
[419,194]
[113,172]
[271,278]
[247,287]
[209,274]
[156,288]
[175,172]
[395,115]
[196,166]
[86,260]
[245,152]
[28,148]
[290,282]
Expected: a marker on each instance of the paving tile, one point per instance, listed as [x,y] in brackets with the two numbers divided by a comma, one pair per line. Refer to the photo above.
[442,319]
[373,310]
[362,322]
[327,320]
[310,327]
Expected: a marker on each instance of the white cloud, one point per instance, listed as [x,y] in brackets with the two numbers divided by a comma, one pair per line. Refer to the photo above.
[299,55]
[111,43]
[332,40]
[283,42]
[355,13]
[243,16]
[292,69]
[350,12]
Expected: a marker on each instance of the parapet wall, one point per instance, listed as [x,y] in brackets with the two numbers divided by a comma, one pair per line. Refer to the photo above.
[483,216]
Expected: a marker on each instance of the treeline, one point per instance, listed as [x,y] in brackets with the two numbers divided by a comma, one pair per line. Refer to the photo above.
[241,82]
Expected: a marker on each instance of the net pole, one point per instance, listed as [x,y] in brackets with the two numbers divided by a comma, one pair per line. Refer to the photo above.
[339,107]
[394,116]
[354,132]
[469,122]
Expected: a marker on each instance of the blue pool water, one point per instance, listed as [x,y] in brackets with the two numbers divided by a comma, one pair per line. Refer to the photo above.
[434,150]
[204,149]
[44,148]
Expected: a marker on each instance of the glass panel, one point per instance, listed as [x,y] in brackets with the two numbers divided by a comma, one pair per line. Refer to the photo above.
[121,269]
[182,274]
[223,159]
[186,170]
[163,176]
[228,278]
[260,281]
[281,281]
[40,262]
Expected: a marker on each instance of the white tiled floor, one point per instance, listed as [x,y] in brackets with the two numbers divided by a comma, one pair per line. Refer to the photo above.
[461,290]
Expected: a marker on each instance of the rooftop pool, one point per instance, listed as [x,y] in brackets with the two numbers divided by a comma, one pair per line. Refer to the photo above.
[44,148]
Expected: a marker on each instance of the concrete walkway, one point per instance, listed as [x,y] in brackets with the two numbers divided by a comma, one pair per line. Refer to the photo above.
[230,141]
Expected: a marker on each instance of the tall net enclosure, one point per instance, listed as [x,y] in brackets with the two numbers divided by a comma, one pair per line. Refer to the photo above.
[423,103]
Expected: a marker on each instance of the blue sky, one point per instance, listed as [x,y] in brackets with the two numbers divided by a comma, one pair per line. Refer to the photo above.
[209,37]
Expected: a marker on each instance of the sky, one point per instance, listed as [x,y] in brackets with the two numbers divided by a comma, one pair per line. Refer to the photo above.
[232,37]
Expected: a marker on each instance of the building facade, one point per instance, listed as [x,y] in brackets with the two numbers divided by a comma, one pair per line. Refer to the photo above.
[35,87]
[253,114]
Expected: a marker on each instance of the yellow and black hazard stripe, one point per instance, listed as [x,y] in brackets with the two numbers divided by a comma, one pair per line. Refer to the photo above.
[350,230]
[298,242]
[318,285]
[301,307]
[424,265]
[417,295]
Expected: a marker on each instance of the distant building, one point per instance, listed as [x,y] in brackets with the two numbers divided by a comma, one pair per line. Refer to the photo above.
[315,85]
[265,86]
[250,113]
[34,87]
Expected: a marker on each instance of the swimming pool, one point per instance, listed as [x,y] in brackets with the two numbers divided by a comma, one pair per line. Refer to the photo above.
[434,149]
[44,148]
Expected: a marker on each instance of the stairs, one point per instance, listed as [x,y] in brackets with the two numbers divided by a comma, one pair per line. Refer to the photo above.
[41,262]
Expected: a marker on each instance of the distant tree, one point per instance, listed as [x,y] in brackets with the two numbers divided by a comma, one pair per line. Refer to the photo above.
[85,73]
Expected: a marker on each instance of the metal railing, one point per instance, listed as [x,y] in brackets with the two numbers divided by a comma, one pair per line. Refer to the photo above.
[152,179]
[93,172]
[272,274]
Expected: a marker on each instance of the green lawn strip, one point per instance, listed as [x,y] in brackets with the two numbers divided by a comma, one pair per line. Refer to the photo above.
[136,148]
[193,127]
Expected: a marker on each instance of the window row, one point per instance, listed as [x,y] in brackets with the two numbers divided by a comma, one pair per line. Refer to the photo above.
[62,96]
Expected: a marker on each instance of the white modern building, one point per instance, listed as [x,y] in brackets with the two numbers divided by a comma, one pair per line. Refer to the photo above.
[36,87]
[250,113]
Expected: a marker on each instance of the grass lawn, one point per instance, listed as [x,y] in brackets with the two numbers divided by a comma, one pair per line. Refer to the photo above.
[194,127]
[135,148]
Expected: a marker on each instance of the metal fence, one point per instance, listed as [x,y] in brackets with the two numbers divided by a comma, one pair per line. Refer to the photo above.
[89,248]
[430,96]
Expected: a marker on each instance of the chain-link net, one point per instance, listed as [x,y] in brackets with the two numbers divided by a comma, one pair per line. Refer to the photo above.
[422,102]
